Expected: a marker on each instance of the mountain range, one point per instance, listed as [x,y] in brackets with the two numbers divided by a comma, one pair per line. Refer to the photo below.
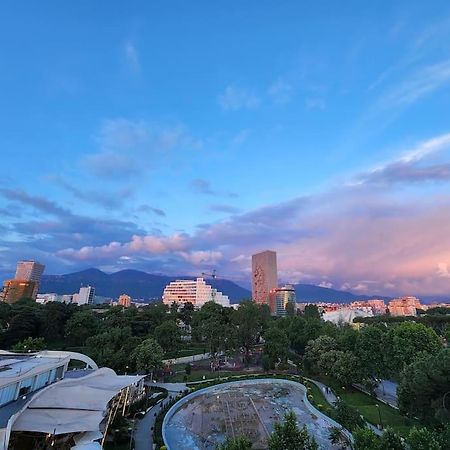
[142,285]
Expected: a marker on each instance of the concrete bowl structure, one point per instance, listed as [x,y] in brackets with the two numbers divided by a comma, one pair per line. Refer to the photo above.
[250,408]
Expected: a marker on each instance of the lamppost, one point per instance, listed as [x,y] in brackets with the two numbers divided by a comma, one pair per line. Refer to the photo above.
[443,399]
[132,429]
[379,414]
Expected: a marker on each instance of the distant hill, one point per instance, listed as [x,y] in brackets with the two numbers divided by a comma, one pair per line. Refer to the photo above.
[142,285]
[135,283]
[312,293]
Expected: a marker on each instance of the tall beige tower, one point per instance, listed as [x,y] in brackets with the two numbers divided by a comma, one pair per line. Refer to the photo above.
[30,271]
[264,275]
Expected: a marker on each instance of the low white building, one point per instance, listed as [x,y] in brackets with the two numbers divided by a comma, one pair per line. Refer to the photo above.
[346,315]
[196,292]
[46,298]
[41,400]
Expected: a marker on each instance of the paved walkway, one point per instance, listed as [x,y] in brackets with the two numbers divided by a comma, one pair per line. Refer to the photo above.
[187,359]
[387,391]
[143,434]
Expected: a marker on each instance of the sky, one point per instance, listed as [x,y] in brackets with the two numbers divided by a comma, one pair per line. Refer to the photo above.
[180,137]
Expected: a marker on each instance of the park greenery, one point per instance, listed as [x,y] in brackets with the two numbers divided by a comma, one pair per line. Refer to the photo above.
[410,351]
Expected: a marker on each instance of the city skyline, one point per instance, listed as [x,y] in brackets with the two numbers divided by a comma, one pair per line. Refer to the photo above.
[165,142]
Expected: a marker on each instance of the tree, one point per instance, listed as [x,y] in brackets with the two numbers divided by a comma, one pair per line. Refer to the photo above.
[370,350]
[80,326]
[288,436]
[248,322]
[54,318]
[212,324]
[423,439]
[337,436]
[26,317]
[239,443]
[276,346]
[168,335]
[347,416]
[186,313]
[113,348]
[347,369]
[148,356]
[316,348]
[405,342]
[29,344]
[347,338]
[311,312]
[328,359]
[365,439]
[423,385]
[389,440]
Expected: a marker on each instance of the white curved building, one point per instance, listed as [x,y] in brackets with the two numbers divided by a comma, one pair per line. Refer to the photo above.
[196,292]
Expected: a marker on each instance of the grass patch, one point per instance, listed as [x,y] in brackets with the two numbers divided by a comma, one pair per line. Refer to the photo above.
[317,399]
[367,407]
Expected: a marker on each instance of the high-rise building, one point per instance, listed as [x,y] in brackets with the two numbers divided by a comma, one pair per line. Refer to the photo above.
[264,275]
[14,290]
[29,270]
[124,300]
[404,306]
[280,298]
[85,296]
[196,292]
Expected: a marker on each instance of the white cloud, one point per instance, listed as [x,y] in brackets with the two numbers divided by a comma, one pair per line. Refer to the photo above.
[326,284]
[233,99]
[132,56]
[443,270]
[424,81]
[316,103]
[280,92]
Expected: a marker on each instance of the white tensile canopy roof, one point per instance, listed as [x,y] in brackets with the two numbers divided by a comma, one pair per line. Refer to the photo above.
[73,405]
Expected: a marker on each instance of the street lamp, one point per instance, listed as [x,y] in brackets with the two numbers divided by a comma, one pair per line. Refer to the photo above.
[126,369]
[443,399]
[379,414]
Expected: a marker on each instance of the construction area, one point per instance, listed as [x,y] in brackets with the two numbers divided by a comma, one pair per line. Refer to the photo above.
[246,408]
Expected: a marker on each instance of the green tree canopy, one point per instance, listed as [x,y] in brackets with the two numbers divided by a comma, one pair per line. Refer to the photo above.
[423,386]
[239,443]
[29,344]
[112,348]
[276,346]
[288,436]
[80,326]
[148,356]
[405,342]
[423,439]
[168,335]
[248,320]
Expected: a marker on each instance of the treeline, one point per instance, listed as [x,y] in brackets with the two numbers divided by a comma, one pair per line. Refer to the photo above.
[436,318]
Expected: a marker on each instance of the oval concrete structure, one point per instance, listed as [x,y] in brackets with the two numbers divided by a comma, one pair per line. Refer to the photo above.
[206,417]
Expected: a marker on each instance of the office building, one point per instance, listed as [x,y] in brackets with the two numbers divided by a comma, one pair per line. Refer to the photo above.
[85,296]
[196,292]
[280,298]
[264,276]
[30,271]
[404,306]
[124,300]
[14,290]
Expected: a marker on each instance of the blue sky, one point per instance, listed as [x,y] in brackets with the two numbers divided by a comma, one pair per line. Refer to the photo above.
[176,137]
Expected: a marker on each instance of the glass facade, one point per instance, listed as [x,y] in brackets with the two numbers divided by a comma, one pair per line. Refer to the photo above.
[22,387]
